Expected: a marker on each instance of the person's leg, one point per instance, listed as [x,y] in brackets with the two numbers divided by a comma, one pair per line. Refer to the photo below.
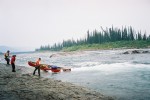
[34,70]
[39,70]
[7,60]
[13,67]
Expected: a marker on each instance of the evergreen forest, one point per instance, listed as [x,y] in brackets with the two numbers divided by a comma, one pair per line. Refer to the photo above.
[104,39]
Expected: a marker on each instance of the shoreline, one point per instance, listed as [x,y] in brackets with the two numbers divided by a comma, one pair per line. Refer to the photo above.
[22,85]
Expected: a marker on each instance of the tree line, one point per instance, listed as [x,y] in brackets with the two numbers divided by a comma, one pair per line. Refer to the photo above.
[98,37]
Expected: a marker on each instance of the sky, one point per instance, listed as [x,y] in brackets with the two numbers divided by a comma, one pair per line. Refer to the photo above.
[29,24]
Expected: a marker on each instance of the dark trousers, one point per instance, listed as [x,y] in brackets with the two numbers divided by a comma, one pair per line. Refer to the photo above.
[8,60]
[13,67]
[37,68]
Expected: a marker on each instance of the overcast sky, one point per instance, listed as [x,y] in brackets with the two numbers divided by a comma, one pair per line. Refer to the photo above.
[32,23]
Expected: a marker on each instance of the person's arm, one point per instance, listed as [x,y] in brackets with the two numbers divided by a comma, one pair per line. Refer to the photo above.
[14,59]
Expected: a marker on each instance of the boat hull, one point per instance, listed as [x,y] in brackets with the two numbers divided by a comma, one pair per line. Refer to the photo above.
[45,67]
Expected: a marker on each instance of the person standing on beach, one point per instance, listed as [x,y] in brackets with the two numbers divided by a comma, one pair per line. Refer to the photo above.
[13,58]
[6,56]
[37,66]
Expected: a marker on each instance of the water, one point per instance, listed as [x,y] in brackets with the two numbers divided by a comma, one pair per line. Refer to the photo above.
[124,76]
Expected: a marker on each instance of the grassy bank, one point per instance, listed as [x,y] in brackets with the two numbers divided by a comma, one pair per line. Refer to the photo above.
[110,45]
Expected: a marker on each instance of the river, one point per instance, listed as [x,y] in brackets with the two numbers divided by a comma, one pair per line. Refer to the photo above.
[124,76]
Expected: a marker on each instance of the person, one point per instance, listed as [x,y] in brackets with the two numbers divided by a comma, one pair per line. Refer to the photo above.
[37,66]
[6,56]
[13,58]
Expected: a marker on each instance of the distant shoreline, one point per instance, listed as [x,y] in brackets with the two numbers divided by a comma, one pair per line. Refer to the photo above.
[136,44]
[110,46]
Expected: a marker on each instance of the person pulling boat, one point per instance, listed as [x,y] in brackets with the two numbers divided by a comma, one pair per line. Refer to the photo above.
[37,67]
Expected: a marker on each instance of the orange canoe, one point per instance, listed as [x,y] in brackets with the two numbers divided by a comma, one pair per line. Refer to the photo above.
[45,67]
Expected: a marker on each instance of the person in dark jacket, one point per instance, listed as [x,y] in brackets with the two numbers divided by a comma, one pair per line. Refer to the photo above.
[13,58]
[7,57]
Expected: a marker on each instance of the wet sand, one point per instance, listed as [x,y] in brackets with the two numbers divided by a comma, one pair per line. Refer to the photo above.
[22,85]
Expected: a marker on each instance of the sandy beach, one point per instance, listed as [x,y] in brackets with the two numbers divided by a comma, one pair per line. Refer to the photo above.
[22,85]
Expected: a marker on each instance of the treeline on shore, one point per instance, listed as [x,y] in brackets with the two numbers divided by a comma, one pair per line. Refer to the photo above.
[105,39]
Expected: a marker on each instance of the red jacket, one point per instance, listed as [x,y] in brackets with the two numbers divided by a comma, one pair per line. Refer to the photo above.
[13,60]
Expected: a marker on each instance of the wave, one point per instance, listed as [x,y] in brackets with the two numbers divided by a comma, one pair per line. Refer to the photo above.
[113,67]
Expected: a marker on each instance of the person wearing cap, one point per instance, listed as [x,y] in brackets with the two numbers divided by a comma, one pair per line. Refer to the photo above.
[37,66]
[13,58]
[7,57]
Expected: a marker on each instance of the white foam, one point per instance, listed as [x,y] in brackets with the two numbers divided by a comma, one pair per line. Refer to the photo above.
[110,68]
